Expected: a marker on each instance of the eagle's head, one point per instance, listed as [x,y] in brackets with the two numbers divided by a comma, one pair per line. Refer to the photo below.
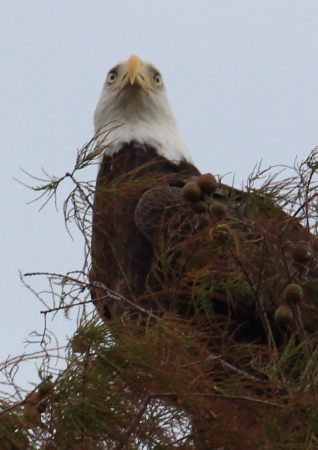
[133,106]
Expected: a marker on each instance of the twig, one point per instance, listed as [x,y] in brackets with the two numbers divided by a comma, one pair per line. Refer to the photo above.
[259,301]
[244,398]
[26,357]
[22,402]
[223,363]
[141,410]
[110,293]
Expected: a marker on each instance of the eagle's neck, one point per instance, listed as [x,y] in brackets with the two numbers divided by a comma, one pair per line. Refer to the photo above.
[145,120]
[143,161]
[165,139]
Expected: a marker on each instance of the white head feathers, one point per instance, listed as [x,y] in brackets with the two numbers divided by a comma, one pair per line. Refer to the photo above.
[133,106]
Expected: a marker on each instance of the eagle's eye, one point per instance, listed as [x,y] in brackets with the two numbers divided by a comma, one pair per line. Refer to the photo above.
[111,77]
[157,79]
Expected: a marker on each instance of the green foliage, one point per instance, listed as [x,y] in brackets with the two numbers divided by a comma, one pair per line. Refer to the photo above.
[212,371]
[13,433]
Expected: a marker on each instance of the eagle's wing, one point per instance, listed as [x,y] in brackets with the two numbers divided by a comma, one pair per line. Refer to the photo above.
[244,257]
[163,207]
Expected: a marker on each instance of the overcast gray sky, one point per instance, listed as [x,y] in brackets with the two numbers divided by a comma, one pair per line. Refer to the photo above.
[242,77]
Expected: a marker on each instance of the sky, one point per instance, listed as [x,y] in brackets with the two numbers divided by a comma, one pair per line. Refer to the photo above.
[242,78]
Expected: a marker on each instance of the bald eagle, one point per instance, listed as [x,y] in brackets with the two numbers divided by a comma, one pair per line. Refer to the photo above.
[165,236]
[143,148]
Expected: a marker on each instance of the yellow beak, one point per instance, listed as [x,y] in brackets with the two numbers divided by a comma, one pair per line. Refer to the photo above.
[134,65]
[136,74]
